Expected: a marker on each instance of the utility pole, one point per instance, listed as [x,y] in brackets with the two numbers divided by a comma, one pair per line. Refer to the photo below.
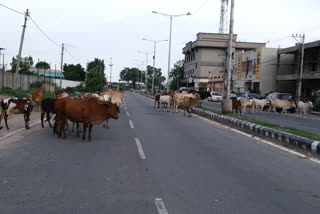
[300,72]
[38,70]
[2,85]
[226,103]
[229,64]
[87,71]
[20,50]
[61,66]
[55,75]
[154,64]
[110,70]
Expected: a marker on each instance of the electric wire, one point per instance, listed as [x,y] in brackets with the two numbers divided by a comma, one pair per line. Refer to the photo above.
[21,13]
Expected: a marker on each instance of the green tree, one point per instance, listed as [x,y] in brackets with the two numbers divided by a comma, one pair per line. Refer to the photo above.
[132,75]
[158,78]
[25,64]
[74,72]
[95,81]
[42,65]
[176,75]
[97,65]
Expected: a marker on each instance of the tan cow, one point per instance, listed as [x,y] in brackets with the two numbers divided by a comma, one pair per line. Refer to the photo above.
[283,104]
[37,97]
[189,103]
[259,104]
[178,99]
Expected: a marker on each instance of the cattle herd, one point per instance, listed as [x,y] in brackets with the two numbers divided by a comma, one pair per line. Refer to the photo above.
[97,108]
[84,111]
[191,99]
[188,101]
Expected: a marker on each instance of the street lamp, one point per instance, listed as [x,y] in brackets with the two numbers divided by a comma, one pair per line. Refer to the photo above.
[154,57]
[169,56]
[139,70]
[146,53]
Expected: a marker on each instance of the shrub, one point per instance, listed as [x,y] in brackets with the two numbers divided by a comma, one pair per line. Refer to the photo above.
[36,84]
[317,105]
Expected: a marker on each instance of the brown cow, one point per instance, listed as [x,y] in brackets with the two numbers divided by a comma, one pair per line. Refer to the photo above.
[236,105]
[188,104]
[88,111]
[37,97]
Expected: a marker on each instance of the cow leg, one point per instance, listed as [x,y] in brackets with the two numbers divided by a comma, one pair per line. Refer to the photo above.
[77,129]
[154,103]
[90,129]
[85,125]
[42,117]
[189,111]
[48,119]
[63,123]
[6,119]
[73,124]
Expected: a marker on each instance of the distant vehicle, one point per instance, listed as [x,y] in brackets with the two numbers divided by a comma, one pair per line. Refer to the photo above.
[214,97]
[143,90]
[251,95]
[281,96]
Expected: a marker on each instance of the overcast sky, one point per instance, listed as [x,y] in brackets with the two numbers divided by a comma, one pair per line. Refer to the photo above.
[106,28]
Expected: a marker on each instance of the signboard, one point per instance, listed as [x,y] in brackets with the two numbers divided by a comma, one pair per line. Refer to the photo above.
[239,66]
[258,67]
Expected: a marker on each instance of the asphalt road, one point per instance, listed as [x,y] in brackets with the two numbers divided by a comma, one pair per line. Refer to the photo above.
[310,124]
[160,162]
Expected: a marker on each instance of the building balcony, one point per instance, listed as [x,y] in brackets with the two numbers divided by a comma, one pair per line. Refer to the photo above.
[309,76]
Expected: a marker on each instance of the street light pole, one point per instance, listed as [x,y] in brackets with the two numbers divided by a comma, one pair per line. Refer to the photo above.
[170,35]
[154,59]
[146,53]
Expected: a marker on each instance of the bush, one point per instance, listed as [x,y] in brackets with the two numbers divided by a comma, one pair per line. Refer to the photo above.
[317,105]
[36,84]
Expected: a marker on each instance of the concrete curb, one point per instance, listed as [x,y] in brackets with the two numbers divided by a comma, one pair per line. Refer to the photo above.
[265,132]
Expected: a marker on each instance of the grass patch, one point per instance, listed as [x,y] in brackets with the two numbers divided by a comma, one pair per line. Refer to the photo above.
[271,125]
[19,93]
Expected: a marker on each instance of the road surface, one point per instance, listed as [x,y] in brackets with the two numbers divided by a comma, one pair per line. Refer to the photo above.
[150,161]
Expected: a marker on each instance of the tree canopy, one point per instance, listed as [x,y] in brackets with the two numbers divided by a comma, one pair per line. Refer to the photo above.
[74,72]
[42,65]
[133,76]
[95,81]
[97,65]
[176,75]
[25,65]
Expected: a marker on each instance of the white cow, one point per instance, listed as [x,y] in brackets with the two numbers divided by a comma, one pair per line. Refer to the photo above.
[304,108]
[283,104]
[165,100]
[246,102]
[259,104]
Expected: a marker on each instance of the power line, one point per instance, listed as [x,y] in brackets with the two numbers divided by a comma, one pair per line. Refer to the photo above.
[12,9]
[203,4]
[46,35]
[73,56]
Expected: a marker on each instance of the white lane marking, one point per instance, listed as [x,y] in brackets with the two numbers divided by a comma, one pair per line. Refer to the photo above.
[128,114]
[259,139]
[19,130]
[131,124]
[140,149]
[160,206]
[125,108]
